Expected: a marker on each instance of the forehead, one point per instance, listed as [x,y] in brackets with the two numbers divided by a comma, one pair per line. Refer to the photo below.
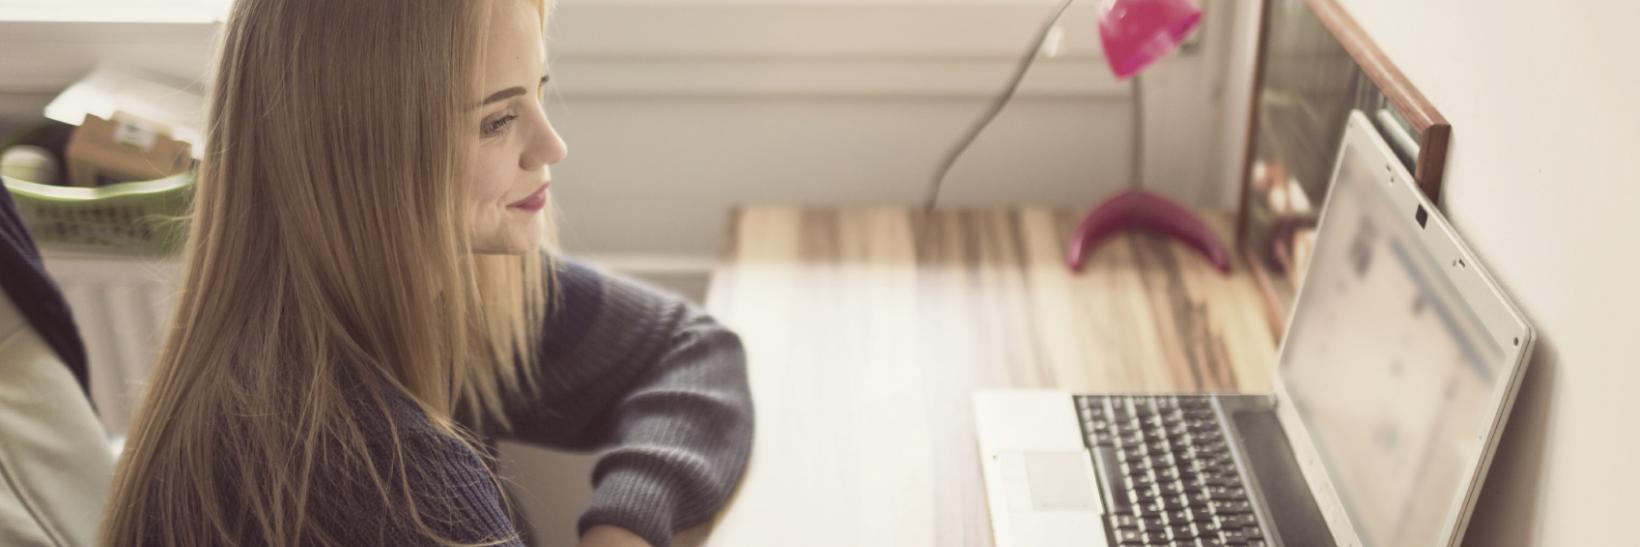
[514,52]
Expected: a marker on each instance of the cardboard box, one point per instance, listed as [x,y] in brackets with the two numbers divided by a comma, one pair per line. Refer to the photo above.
[124,149]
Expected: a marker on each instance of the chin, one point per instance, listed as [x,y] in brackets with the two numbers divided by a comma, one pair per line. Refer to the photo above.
[511,242]
[517,245]
[519,235]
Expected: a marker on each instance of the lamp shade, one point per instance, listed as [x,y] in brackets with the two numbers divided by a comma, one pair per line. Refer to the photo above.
[1135,33]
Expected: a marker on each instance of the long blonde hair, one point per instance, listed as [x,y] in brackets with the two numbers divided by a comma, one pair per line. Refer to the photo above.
[327,250]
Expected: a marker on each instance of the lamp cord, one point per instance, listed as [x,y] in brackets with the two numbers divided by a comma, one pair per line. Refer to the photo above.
[996,107]
[1136,133]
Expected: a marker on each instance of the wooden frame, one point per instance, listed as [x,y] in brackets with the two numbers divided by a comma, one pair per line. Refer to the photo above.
[1431,129]
[1428,128]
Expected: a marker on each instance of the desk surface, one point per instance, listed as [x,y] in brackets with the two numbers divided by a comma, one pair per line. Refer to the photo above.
[868,331]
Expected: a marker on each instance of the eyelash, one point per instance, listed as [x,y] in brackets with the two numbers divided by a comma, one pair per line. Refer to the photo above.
[494,127]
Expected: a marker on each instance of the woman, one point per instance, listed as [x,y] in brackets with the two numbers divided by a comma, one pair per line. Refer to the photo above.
[366,304]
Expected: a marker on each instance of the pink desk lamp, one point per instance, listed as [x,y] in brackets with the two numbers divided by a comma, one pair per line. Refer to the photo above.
[1136,33]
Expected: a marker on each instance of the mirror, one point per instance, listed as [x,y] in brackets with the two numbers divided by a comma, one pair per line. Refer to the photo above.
[1314,65]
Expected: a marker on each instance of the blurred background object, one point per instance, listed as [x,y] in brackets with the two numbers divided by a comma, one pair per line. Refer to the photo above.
[91,175]
[111,151]
[30,162]
[1315,66]
[1133,34]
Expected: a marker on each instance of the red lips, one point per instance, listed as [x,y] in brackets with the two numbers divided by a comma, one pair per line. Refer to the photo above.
[534,202]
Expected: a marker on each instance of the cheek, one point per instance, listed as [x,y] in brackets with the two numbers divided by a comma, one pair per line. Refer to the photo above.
[489,181]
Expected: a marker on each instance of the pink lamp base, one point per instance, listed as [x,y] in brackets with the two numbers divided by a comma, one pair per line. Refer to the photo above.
[1138,209]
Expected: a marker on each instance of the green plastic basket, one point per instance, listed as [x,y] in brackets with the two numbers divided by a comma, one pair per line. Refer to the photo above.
[131,217]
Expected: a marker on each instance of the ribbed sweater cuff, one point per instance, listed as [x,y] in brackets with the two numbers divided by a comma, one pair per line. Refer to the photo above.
[635,500]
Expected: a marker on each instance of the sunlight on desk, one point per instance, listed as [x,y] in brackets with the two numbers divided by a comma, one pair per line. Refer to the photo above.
[867,331]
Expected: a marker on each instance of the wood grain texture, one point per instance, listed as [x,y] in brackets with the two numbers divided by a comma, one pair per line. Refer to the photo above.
[868,330]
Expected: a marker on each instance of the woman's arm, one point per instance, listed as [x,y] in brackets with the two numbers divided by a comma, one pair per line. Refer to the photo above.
[655,383]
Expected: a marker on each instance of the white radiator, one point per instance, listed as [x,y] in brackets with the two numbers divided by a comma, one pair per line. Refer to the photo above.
[121,305]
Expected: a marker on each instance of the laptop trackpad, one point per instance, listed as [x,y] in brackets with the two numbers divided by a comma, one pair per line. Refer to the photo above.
[1051,500]
[1060,481]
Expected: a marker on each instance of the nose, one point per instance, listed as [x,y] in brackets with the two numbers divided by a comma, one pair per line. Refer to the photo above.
[545,147]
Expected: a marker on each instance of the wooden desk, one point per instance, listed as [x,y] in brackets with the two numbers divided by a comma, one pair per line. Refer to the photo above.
[868,331]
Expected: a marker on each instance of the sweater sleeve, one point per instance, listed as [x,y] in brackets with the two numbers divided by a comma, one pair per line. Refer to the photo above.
[654,384]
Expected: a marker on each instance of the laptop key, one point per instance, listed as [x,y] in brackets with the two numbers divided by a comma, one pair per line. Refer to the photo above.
[1101,433]
[1169,503]
[1129,536]
[1237,521]
[1195,499]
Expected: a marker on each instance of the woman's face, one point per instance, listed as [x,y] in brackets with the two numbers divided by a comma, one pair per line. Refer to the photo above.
[512,142]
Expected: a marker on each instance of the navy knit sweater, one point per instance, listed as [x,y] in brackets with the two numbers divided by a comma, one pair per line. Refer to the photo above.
[650,382]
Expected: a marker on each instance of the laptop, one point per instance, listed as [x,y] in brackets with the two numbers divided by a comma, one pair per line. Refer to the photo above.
[1400,362]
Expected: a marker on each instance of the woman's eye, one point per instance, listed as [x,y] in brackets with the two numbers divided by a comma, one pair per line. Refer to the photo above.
[495,126]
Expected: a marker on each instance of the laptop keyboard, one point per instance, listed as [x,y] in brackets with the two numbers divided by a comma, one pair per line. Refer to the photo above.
[1166,474]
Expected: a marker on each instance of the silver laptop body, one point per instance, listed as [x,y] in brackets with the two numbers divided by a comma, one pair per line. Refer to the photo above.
[1401,359]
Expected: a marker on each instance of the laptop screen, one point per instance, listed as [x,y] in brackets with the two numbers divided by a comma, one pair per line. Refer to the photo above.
[1391,373]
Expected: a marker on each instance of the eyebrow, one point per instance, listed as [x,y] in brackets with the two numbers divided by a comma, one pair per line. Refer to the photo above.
[510,92]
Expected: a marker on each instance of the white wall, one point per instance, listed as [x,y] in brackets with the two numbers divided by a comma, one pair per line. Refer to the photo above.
[1544,100]
[677,110]
[811,102]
